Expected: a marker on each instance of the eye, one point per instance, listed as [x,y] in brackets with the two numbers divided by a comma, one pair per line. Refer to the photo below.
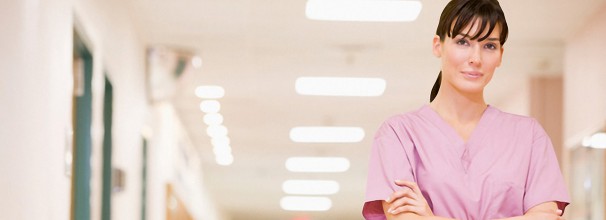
[491,46]
[462,41]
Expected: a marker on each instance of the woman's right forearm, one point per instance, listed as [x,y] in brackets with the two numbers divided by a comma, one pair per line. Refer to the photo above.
[412,216]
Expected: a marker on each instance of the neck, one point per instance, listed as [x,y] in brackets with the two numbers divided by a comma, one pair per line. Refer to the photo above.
[457,106]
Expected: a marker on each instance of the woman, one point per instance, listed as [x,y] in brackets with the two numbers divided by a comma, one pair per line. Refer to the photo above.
[458,157]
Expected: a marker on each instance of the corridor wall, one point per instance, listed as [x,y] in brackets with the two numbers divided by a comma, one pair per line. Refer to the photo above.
[585,93]
[35,92]
[584,80]
[36,87]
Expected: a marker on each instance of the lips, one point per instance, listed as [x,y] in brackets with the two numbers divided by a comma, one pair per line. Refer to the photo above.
[472,74]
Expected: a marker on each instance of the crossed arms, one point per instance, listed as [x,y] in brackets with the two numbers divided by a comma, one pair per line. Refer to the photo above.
[409,204]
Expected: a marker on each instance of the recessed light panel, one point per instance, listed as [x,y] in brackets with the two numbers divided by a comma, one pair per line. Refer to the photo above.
[210,92]
[216,131]
[305,203]
[326,134]
[340,86]
[363,10]
[224,159]
[210,106]
[219,141]
[213,119]
[317,164]
[598,140]
[310,187]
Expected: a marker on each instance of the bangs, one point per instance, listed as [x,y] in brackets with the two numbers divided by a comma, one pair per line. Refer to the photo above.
[486,21]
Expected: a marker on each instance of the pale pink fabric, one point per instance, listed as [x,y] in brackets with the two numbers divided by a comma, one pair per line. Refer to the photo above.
[506,167]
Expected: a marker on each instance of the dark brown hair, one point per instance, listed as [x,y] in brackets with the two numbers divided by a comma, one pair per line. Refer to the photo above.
[459,13]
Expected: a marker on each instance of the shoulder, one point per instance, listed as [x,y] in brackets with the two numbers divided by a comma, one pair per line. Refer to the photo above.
[399,124]
[512,118]
[519,122]
[403,119]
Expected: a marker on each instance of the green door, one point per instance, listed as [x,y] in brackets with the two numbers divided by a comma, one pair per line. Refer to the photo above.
[107,151]
[82,118]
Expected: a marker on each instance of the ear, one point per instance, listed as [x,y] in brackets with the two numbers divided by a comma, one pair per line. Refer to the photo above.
[437,46]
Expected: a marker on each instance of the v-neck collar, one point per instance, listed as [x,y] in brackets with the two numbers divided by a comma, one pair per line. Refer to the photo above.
[450,132]
[461,147]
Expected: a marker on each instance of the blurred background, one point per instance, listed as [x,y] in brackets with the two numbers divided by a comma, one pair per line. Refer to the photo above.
[257,109]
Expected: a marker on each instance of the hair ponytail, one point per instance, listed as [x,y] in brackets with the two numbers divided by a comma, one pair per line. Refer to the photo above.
[436,87]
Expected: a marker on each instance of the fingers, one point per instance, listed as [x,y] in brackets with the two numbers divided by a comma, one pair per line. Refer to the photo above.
[406,199]
[396,206]
[409,184]
[404,192]
[408,208]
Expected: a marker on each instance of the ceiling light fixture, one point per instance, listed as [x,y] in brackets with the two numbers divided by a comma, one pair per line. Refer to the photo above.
[340,86]
[597,140]
[221,150]
[213,119]
[196,62]
[305,203]
[225,159]
[219,141]
[216,131]
[317,164]
[326,134]
[310,187]
[210,92]
[210,106]
[363,10]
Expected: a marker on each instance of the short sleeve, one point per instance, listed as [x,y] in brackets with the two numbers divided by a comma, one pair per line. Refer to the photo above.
[388,162]
[545,182]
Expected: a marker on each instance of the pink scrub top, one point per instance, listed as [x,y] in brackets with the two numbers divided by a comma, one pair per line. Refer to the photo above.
[506,167]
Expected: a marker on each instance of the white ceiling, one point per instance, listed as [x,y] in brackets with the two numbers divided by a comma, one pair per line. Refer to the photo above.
[256,50]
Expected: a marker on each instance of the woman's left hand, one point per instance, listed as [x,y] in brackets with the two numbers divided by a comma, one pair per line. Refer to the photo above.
[408,199]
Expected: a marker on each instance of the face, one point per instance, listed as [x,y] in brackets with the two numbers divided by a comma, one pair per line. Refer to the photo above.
[468,65]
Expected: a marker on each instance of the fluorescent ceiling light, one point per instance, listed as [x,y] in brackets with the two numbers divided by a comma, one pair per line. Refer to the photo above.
[340,86]
[210,92]
[213,119]
[310,187]
[363,10]
[222,150]
[317,164]
[598,140]
[586,141]
[196,62]
[210,106]
[305,203]
[326,134]
[224,160]
[220,141]
[216,131]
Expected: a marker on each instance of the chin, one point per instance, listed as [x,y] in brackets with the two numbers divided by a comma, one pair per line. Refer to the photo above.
[471,86]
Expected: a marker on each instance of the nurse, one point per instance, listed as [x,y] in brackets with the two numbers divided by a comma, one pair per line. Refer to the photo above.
[458,157]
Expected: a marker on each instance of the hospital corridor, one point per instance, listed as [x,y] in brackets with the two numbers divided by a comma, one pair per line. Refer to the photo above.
[261,109]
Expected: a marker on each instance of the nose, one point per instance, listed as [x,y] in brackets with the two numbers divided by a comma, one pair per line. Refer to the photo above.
[475,56]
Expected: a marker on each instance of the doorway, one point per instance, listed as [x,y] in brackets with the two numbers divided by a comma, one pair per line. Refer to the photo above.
[81,122]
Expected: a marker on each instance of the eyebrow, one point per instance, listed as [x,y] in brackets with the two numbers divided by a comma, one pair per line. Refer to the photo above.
[487,39]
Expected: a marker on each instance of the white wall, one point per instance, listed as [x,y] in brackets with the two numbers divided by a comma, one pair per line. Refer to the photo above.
[35,97]
[584,88]
[36,100]
[585,80]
